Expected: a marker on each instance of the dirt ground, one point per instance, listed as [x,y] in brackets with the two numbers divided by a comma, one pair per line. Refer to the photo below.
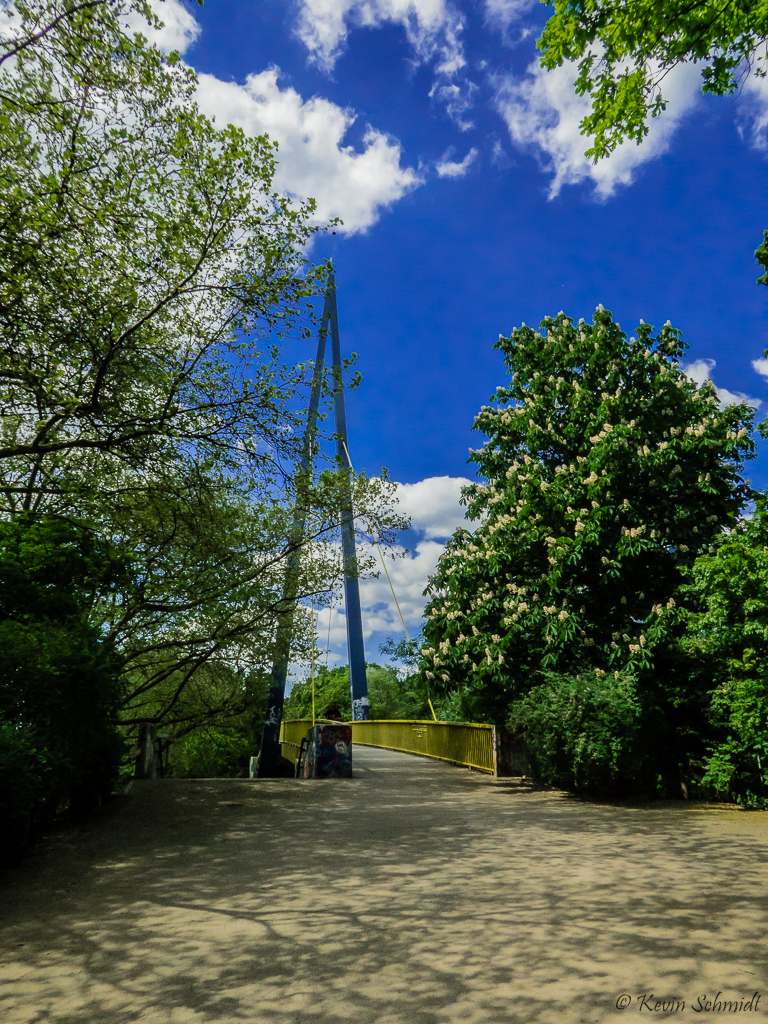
[414,893]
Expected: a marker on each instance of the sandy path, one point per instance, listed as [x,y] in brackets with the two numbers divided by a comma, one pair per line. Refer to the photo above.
[415,893]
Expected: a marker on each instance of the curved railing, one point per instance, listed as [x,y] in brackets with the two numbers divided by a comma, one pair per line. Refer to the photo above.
[464,743]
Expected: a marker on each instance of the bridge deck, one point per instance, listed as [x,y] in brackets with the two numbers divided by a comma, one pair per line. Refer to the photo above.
[414,893]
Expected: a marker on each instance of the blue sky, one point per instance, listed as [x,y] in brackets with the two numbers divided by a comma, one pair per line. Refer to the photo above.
[457,167]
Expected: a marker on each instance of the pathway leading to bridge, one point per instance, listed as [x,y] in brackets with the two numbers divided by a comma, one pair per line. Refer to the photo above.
[414,893]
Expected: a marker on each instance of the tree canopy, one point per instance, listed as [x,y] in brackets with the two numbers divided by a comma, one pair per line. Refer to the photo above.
[149,272]
[149,275]
[725,612]
[608,472]
[625,50]
[144,255]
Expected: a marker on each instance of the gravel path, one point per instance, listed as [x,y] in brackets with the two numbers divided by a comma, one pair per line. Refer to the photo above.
[415,893]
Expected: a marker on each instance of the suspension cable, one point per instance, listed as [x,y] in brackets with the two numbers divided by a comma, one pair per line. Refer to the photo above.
[383,563]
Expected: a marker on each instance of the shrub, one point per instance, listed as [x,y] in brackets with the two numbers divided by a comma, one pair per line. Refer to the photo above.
[28,777]
[59,676]
[583,733]
[212,753]
[737,766]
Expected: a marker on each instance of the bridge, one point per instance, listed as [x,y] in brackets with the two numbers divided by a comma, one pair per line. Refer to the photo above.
[485,748]
[415,892]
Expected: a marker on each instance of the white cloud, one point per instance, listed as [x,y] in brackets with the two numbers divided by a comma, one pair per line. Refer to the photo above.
[331,645]
[753,111]
[433,28]
[701,370]
[450,169]
[179,32]
[312,160]
[503,13]
[10,22]
[543,113]
[760,366]
[433,505]
[409,574]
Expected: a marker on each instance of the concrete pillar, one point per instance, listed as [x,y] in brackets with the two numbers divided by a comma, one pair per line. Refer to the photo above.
[510,755]
[146,759]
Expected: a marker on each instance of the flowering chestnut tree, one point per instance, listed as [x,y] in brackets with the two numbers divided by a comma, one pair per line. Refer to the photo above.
[607,471]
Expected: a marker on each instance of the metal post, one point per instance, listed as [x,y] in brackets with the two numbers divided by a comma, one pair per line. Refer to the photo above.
[358,682]
[270,740]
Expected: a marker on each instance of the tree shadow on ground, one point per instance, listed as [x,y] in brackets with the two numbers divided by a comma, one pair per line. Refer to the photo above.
[414,893]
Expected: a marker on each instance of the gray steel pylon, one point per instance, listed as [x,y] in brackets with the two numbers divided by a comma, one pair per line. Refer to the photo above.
[358,682]
[270,740]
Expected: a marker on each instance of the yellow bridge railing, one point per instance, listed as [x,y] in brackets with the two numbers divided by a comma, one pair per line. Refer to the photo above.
[463,743]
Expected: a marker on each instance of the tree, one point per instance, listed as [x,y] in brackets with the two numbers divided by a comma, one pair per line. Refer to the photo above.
[148,273]
[330,686]
[144,255]
[608,471]
[60,686]
[209,593]
[390,696]
[625,51]
[726,635]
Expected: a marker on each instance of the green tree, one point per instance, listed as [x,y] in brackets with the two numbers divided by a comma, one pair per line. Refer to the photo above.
[209,592]
[148,272]
[584,732]
[224,743]
[625,51]
[726,636]
[608,471]
[60,685]
[145,258]
[330,686]
[389,695]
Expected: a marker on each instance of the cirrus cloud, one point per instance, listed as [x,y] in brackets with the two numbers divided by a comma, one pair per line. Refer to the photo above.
[447,168]
[433,28]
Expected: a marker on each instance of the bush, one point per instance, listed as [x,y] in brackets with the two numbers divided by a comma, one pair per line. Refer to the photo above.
[583,733]
[28,777]
[212,753]
[59,676]
[737,767]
